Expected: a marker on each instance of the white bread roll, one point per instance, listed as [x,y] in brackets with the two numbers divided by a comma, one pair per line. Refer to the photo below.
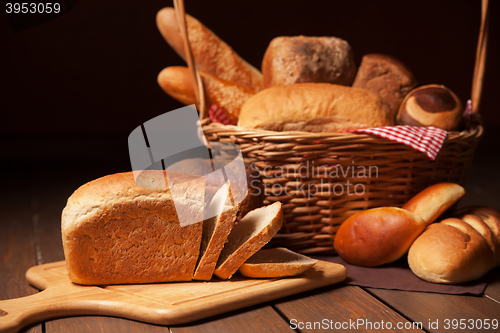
[455,251]
[377,236]
[434,200]
[314,107]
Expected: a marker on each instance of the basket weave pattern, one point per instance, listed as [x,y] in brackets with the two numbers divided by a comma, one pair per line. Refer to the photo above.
[321,179]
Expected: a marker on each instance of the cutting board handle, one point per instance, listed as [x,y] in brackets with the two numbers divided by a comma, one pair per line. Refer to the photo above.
[20,312]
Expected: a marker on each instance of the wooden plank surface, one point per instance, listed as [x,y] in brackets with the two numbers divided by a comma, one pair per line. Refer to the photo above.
[255,319]
[343,305]
[17,245]
[429,307]
[493,289]
[48,206]
[51,190]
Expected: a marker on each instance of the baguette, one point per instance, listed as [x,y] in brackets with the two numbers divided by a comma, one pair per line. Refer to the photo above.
[276,262]
[247,237]
[228,96]
[457,250]
[115,232]
[314,107]
[211,54]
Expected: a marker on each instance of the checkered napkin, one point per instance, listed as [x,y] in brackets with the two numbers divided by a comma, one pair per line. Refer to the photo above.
[428,140]
[218,116]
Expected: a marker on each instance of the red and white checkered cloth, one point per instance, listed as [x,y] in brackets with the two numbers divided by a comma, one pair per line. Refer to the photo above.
[218,116]
[428,140]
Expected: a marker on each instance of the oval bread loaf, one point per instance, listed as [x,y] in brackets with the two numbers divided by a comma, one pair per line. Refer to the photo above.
[314,107]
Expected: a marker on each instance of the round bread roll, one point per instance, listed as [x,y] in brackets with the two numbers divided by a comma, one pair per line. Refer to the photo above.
[377,236]
[451,252]
[431,105]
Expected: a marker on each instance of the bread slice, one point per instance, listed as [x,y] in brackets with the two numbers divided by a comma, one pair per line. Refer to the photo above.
[216,229]
[276,262]
[115,232]
[247,237]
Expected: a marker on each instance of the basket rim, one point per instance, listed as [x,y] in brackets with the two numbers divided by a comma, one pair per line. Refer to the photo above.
[475,130]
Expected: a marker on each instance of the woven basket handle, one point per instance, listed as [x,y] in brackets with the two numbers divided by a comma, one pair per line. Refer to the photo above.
[477,79]
[193,71]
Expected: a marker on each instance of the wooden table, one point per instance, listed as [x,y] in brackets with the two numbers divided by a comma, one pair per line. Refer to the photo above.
[33,195]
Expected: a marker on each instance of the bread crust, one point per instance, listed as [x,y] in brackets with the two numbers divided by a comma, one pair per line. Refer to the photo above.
[228,96]
[215,232]
[243,246]
[314,107]
[450,252]
[115,232]
[377,236]
[434,200]
[299,59]
[211,54]
[387,77]
[277,262]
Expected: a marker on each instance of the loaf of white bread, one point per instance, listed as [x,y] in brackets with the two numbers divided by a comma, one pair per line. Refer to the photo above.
[314,107]
[116,232]
[459,249]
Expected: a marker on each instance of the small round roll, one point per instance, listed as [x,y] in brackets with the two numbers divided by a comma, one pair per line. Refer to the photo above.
[450,252]
[377,236]
[431,105]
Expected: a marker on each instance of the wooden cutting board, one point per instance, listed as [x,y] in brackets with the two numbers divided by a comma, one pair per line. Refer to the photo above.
[161,303]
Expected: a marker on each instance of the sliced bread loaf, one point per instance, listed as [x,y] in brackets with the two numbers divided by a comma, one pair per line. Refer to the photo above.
[116,232]
[276,262]
[247,237]
[216,229]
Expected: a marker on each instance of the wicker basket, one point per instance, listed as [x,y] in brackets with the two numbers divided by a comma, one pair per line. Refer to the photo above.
[323,178]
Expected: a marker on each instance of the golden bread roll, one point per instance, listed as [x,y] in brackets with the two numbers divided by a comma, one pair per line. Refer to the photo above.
[455,251]
[211,54]
[382,235]
[377,236]
[431,105]
[314,107]
[434,200]
[300,59]
[228,96]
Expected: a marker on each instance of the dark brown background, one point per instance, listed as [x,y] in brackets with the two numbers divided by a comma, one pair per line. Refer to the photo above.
[75,87]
